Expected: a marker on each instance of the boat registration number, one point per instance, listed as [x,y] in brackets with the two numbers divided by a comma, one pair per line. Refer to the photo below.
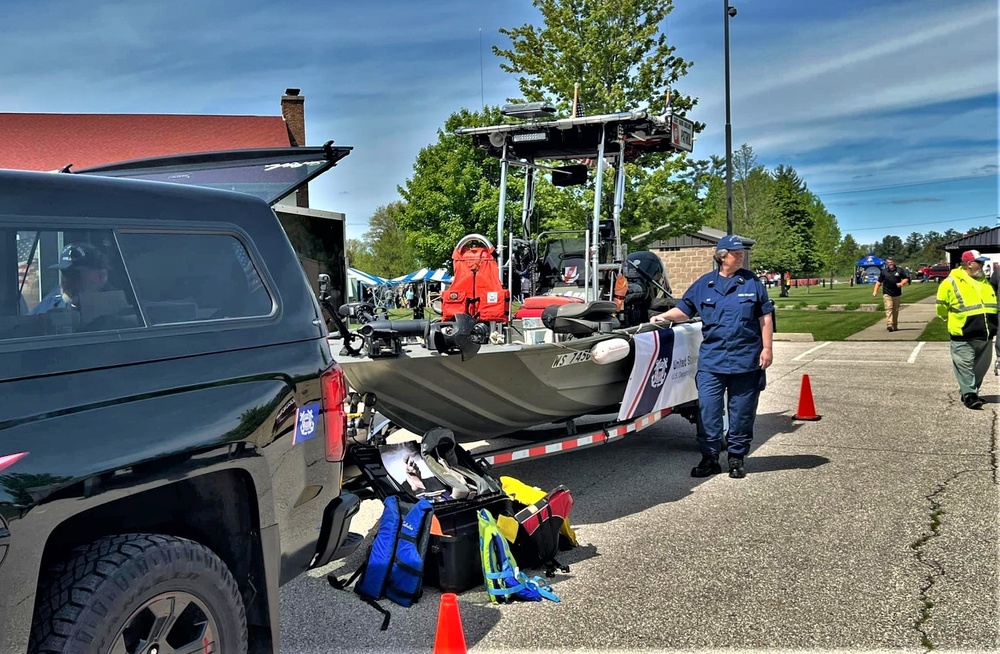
[570,358]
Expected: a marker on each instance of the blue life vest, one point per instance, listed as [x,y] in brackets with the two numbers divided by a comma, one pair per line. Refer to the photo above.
[504,581]
[395,565]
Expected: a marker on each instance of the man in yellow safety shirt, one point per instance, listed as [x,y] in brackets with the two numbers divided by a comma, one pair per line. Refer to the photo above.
[967,301]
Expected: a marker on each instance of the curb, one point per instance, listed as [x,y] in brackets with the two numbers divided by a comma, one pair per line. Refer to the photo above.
[793,336]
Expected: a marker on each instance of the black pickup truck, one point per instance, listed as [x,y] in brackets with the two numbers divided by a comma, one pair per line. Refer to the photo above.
[172,426]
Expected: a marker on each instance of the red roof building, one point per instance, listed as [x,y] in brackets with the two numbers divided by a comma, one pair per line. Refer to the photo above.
[48,142]
[51,141]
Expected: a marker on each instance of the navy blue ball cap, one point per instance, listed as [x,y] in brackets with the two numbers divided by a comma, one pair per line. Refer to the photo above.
[76,256]
[731,243]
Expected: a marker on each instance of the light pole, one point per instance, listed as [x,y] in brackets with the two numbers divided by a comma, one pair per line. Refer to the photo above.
[730,12]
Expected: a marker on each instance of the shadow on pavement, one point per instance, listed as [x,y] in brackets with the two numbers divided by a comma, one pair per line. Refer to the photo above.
[644,469]
[790,462]
[331,613]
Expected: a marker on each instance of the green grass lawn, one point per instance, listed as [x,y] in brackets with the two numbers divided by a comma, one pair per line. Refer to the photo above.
[936,330]
[826,325]
[838,325]
[845,293]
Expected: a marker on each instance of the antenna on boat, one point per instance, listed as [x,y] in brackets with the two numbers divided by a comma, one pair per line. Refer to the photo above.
[482,84]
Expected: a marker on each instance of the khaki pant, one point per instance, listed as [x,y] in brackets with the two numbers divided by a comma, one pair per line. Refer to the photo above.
[891,311]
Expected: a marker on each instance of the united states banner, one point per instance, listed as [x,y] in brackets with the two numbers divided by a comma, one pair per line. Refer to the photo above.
[663,374]
[25,243]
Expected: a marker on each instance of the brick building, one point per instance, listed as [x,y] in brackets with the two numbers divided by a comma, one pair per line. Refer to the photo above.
[686,257]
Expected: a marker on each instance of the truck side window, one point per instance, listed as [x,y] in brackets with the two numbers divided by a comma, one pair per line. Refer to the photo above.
[63,282]
[181,278]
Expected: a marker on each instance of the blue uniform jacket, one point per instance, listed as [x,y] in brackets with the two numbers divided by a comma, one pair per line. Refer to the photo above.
[730,310]
[53,300]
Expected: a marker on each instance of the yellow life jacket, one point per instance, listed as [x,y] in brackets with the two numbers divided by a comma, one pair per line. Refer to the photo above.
[528,495]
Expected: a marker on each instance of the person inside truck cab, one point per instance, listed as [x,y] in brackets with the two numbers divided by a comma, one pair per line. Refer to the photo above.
[82,268]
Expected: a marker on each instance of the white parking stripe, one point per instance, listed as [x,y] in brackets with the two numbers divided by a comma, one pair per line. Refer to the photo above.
[799,358]
[916,351]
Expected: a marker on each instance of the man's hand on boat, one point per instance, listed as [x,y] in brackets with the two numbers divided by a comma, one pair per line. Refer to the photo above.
[670,315]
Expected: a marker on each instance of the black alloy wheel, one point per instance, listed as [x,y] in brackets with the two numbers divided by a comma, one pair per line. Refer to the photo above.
[170,623]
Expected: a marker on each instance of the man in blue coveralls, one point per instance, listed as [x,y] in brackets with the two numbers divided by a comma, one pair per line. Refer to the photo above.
[737,326]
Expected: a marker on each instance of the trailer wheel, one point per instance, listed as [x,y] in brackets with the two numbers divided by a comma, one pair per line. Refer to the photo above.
[139,593]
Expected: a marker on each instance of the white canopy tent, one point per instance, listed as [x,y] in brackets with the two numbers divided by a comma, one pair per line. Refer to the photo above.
[424,275]
[357,278]
[365,278]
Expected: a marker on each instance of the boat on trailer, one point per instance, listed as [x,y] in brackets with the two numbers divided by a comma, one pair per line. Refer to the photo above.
[483,371]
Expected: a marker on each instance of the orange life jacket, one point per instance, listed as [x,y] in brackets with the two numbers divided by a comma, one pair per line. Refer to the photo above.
[476,288]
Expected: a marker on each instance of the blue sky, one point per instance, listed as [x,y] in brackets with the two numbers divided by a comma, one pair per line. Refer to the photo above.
[887,109]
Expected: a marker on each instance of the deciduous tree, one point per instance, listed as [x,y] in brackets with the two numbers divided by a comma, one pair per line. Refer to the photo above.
[393,253]
[618,53]
[454,190]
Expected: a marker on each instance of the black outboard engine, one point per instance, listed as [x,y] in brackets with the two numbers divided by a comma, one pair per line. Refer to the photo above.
[648,287]
[383,338]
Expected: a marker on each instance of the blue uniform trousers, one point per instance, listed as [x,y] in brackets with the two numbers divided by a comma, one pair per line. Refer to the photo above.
[743,390]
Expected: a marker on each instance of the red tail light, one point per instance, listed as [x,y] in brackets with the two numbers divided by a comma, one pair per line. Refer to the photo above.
[10,459]
[334,388]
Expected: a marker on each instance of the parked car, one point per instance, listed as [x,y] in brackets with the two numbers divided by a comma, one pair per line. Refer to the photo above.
[938,271]
[172,427]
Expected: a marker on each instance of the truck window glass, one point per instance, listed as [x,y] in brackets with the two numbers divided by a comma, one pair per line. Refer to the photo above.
[63,282]
[181,278]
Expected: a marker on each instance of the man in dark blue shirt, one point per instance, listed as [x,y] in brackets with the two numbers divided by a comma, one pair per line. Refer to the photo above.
[891,280]
[737,326]
[83,268]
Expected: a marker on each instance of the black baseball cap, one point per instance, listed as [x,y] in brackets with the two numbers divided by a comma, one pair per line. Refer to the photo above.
[76,256]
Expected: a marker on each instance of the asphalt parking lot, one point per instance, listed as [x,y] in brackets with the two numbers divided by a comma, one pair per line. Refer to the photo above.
[874,528]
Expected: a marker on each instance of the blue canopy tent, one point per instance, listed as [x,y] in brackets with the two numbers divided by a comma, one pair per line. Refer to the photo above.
[868,269]
[870,260]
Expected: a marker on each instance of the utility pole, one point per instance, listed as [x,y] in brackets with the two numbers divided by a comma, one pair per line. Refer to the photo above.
[730,12]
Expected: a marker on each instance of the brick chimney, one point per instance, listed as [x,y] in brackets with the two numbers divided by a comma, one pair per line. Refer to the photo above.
[293,111]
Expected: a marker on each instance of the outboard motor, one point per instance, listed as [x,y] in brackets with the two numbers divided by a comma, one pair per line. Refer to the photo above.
[383,338]
[647,287]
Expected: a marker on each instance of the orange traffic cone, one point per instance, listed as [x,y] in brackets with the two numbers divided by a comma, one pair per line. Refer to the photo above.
[807,410]
[450,638]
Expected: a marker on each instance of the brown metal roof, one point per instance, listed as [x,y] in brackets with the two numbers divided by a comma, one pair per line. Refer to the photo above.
[987,240]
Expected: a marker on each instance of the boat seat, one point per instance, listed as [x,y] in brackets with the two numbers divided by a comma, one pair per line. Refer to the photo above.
[533,306]
[543,301]
[581,319]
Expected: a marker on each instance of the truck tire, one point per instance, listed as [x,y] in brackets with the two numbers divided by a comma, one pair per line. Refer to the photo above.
[106,597]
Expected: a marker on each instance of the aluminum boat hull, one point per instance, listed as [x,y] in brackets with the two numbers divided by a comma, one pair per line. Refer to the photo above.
[501,390]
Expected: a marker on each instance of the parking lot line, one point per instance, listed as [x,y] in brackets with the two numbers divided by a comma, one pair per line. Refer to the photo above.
[811,350]
[916,351]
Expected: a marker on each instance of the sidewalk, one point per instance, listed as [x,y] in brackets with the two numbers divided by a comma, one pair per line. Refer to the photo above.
[913,318]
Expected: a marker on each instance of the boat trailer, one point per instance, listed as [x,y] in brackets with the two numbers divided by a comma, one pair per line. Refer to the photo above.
[602,436]
[361,420]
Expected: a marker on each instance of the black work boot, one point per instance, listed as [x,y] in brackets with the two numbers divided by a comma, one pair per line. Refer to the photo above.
[736,468]
[709,466]
[972,401]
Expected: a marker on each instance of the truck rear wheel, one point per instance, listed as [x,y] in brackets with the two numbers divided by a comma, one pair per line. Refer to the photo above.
[139,593]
